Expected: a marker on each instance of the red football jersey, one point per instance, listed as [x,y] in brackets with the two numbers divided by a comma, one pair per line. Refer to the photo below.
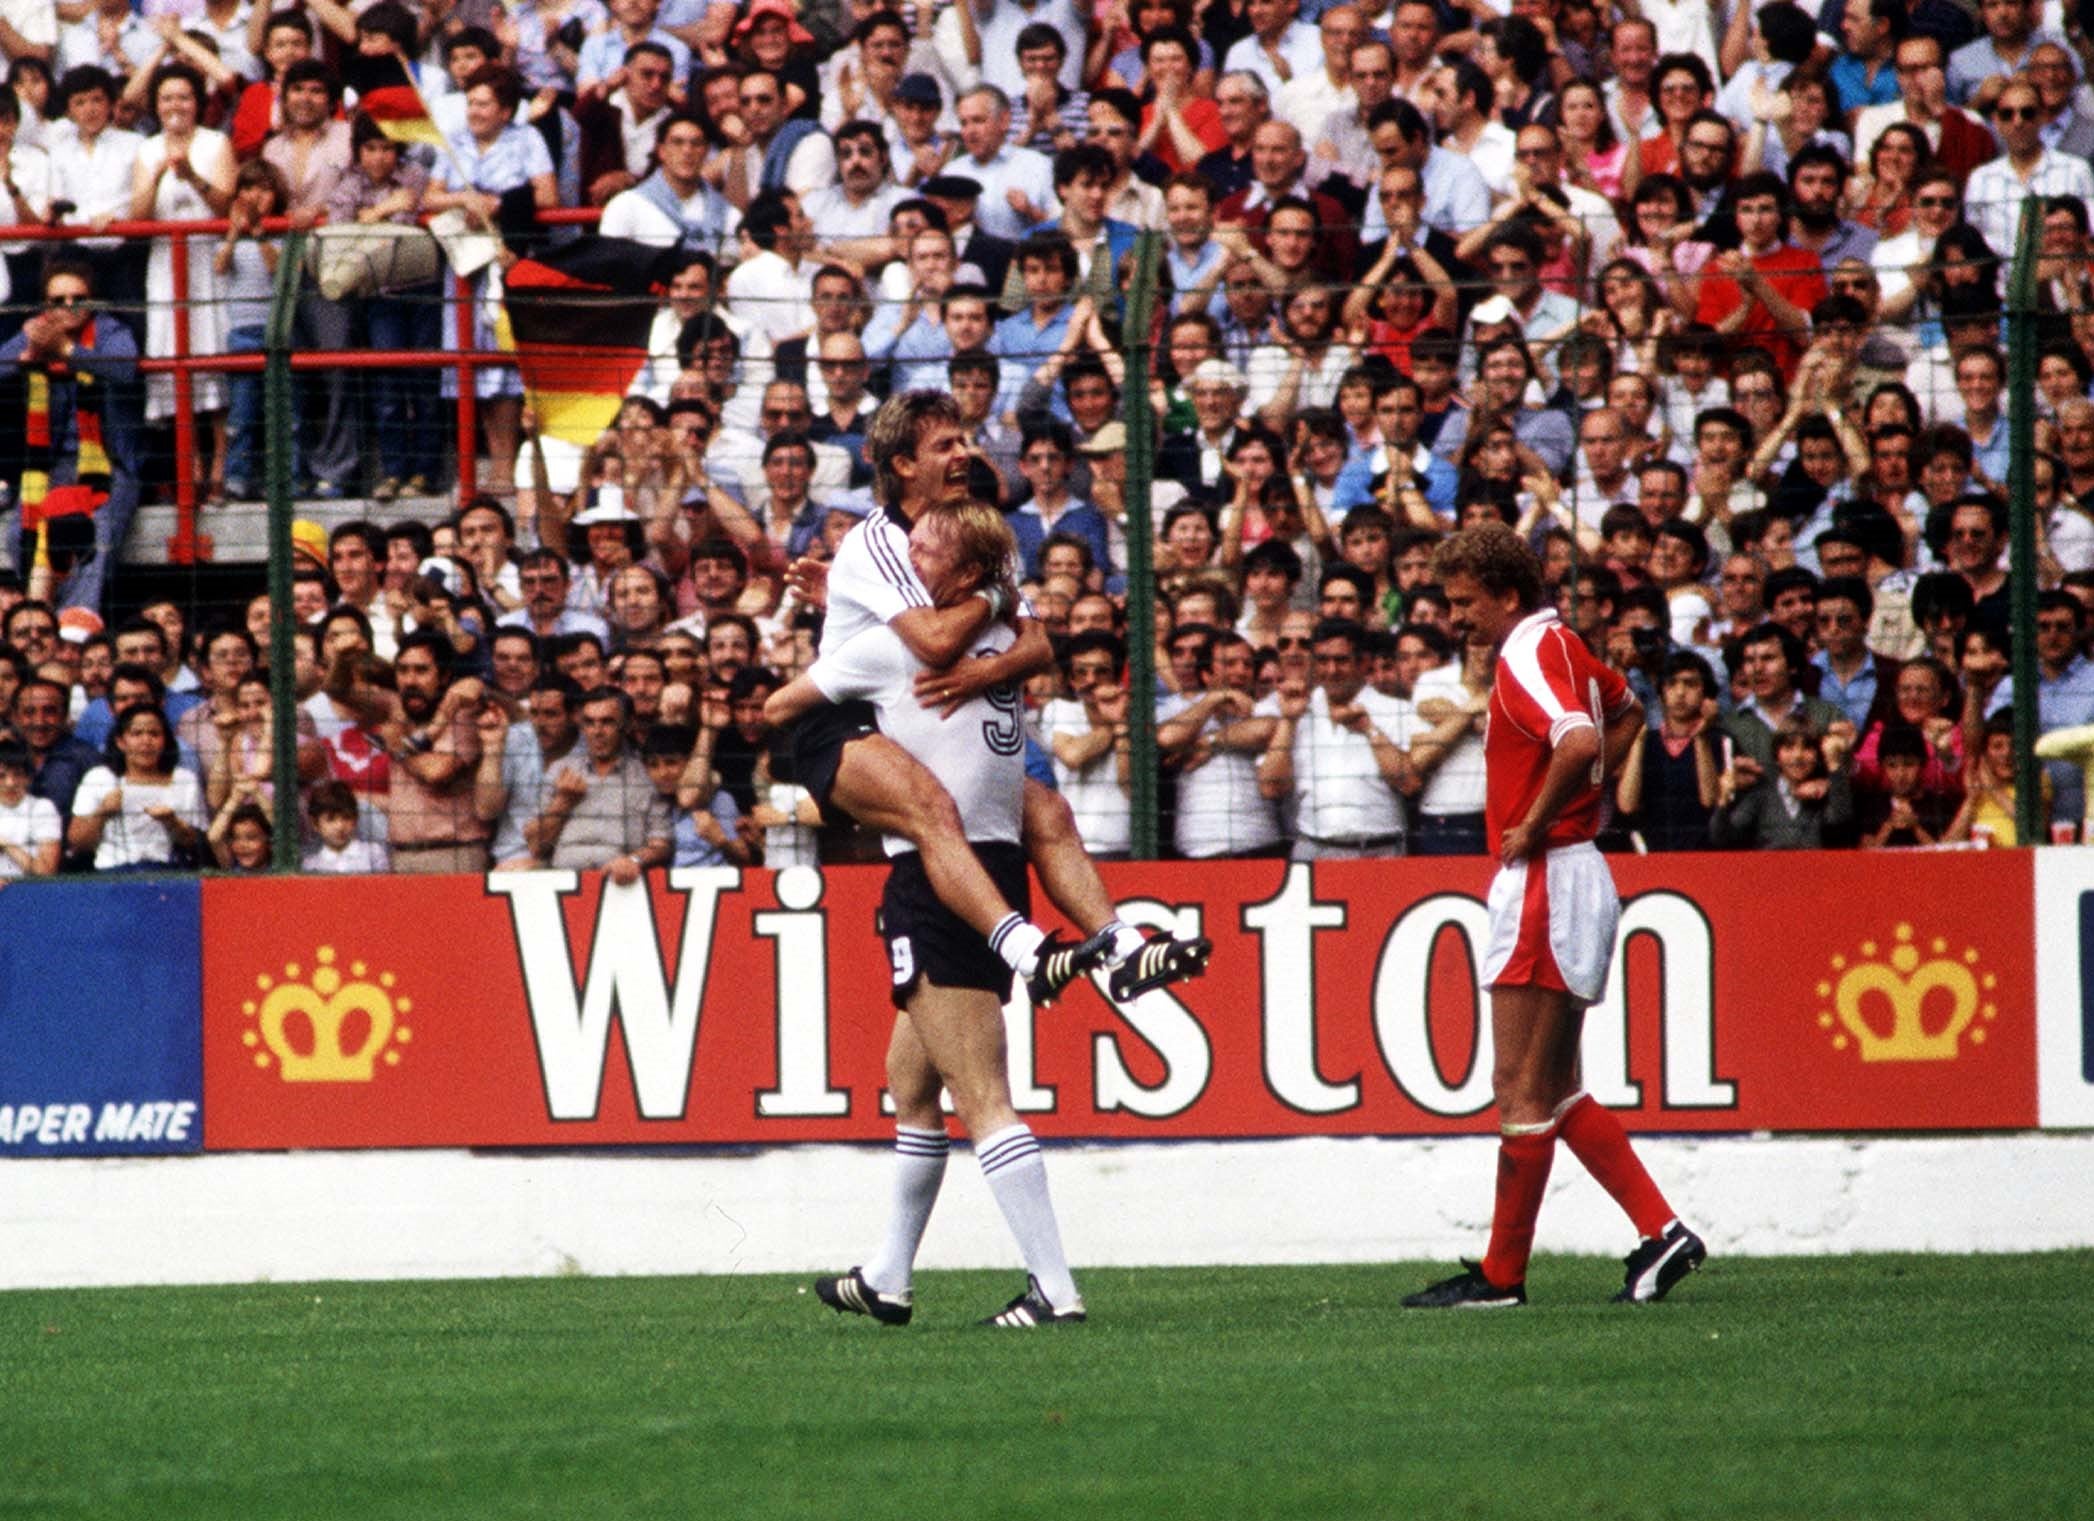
[1548,684]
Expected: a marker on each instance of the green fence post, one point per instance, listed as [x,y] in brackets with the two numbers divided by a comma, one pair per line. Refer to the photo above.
[280,435]
[1141,601]
[2031,825]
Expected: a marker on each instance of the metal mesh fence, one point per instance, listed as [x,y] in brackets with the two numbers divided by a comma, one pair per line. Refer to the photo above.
[380,615]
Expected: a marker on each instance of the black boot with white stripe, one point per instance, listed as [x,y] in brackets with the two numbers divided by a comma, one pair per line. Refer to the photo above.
[1058,965]
[1165,959]
[852,1295]
[1659,1262]
[1032,1309]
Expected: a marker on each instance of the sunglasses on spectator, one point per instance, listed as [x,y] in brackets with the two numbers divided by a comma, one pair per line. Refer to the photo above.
[67,300]
[1936,202]
[1285,643]
[2017,113]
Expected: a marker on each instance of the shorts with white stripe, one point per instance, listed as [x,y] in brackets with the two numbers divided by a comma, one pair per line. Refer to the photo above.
[1552,921]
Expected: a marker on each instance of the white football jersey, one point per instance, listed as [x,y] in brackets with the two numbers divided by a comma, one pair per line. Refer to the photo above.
[978,753]
[870,581]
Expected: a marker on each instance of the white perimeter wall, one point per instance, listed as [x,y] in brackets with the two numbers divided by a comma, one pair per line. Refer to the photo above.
[442,1214]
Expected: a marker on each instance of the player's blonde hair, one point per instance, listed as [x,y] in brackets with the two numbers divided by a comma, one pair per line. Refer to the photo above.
[1496,556]
[983,539]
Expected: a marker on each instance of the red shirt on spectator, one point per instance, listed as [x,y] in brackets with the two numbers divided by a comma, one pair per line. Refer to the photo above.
[1793,272]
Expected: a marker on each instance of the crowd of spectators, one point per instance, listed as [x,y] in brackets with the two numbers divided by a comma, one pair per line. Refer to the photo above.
[1705,297]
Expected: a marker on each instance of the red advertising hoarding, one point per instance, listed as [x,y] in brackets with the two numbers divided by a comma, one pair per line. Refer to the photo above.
[714,1006]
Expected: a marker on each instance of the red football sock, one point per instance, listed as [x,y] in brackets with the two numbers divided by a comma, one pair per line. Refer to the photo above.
[1596,1139]
[1523,1172]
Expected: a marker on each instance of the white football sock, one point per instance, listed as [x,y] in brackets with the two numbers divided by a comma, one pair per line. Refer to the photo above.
[919,1169]
[1126,940]
[1017,941]
[1016,1174]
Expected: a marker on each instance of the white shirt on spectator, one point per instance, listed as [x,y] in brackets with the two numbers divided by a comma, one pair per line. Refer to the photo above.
[1220,810]
[604,54]
[359,857]
[1307,100]
[1339,791]
[999,31]
[1319,381]
[95,177]
[1019,169]
[1301,45]
[1993,195]
[1896,259]
[1456,784]
[1683,26]
[810,167]
[131,837]
[1456,197]
[773,296]
[81,44]
[628,214]
[35,20]
[26,825]
[1104,818]
[834,216]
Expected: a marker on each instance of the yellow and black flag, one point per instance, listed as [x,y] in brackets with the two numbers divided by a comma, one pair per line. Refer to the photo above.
[579,317]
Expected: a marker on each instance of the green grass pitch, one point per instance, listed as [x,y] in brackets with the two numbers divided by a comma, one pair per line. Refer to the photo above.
[1850,1387]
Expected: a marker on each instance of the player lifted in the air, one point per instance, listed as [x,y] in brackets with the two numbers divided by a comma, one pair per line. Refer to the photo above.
[948,983]
[1559,721]
[920,456]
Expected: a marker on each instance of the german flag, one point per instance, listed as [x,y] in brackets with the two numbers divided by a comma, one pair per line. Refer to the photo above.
[386,93]
[579,317]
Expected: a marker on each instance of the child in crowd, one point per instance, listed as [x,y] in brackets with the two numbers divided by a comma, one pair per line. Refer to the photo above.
[332,807]
[246,265]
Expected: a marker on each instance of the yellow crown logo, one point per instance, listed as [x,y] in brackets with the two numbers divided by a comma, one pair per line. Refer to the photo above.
[1904,982]
[306,1023]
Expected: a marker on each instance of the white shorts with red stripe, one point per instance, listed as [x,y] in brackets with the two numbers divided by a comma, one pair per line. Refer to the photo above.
[1552,921]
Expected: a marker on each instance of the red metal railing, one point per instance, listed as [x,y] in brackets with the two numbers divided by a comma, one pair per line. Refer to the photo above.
[186,545]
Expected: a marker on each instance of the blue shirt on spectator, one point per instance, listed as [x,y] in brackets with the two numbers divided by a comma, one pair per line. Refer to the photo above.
[692,849]
[1853,698]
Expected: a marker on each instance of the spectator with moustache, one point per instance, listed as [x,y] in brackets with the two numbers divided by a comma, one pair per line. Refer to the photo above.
[544,578]
[433,740]
[1337,753]
[1214,737]
[509,785]
[600,808]
[1769,663]
[57,758]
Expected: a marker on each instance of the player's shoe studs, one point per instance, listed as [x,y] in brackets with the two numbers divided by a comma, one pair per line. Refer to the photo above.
[1467,1290]
[1058,964]
[850,1294]
[1659,1262]
[1162,960]
[1032,1309]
